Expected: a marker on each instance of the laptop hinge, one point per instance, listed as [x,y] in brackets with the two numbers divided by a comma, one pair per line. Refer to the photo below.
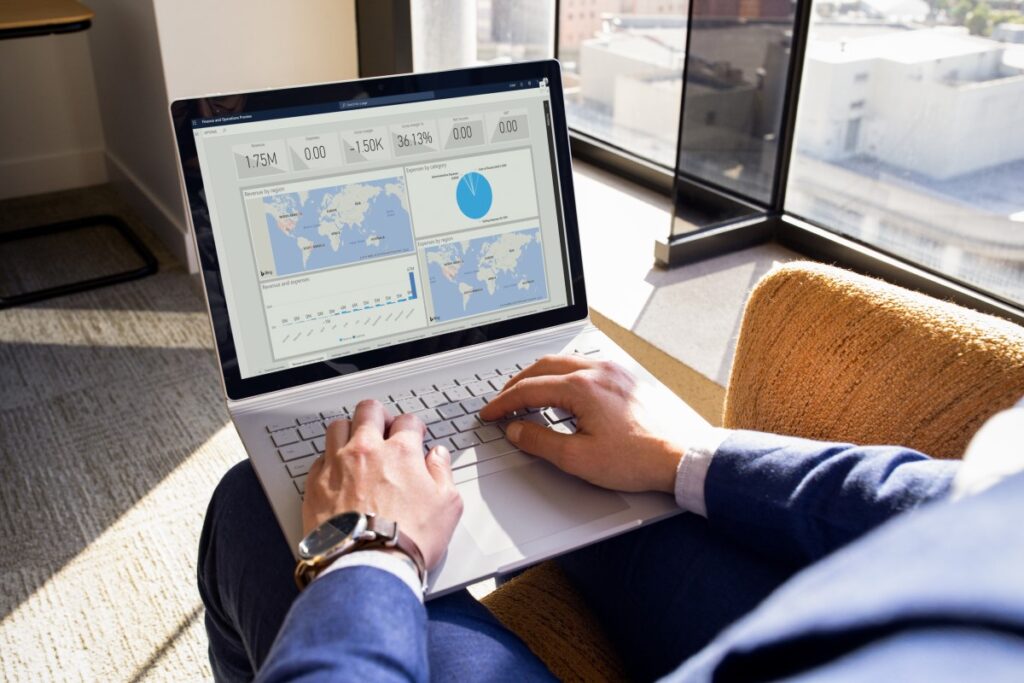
[435,361]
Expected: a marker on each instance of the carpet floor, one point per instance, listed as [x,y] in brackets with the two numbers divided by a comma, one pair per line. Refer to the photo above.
[113,434]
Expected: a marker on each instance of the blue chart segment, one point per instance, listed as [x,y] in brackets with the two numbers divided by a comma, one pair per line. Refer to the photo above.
[474,195]
[486,274]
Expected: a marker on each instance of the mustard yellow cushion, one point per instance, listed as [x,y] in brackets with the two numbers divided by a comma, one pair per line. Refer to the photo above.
[828,354]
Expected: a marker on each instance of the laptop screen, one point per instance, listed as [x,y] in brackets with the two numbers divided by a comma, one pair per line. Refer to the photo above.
[379,218]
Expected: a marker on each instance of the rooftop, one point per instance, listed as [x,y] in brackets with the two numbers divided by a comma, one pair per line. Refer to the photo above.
[907,47]
[660,47]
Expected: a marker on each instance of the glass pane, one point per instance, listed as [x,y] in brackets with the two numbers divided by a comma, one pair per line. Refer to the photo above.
[737,74]
[623,64]
[909,138]
[448,35]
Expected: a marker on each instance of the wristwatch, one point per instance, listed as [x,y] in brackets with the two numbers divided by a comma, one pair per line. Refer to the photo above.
[346,533]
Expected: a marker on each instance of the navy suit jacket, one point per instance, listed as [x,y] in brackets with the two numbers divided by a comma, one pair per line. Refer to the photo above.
[936,594]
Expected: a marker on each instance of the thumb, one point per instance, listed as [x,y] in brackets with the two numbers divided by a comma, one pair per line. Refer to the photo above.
[554,447]
[439,465]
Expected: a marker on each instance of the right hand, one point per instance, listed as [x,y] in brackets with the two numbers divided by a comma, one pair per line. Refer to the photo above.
[624,441]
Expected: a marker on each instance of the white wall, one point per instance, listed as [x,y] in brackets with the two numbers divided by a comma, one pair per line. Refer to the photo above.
[52,138]
[133,101]
[147,53]
[124,71]
[230,45]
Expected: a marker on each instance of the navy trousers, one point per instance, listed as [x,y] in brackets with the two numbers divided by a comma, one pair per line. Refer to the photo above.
[662,593]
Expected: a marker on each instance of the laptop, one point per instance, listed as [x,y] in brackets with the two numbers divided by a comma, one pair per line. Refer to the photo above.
[411,239]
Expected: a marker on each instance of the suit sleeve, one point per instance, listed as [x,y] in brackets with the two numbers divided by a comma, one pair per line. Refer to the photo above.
[355,624]
[798,500]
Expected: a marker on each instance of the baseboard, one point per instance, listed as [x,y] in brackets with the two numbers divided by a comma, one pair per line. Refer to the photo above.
[52,173]
[168,225]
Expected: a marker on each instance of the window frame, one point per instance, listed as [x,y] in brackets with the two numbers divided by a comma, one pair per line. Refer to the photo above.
[758,223]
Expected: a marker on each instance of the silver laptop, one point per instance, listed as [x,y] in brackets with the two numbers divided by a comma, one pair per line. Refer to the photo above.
[411,239]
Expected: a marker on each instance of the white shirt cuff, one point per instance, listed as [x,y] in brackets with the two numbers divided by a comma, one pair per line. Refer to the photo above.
[693,470]
[385,561]
[992,455]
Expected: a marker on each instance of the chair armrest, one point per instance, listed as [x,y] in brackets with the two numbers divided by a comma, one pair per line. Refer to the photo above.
[825,353]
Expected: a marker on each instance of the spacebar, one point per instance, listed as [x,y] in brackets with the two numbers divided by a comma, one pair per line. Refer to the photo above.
[481,452]
[504,462]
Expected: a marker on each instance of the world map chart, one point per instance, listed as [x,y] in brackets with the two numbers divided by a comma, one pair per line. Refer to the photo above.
[338,225]
[485,274]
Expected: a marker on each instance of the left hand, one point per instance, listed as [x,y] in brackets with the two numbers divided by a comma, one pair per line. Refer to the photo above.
[375,463]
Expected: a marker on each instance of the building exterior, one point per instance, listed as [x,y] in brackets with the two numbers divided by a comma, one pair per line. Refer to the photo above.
[936,102]
[580,20]
[628,54]
[1009,33]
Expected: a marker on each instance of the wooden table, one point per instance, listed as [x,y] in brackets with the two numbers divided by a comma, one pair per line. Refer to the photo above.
[23,19]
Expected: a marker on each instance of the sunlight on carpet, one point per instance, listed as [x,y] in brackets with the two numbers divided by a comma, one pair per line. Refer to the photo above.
[85,327]
[126,608]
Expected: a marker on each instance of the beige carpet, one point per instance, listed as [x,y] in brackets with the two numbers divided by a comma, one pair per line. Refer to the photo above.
[112,437]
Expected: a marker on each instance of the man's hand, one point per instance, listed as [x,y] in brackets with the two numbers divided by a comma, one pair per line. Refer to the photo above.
[620,443]
[364,471]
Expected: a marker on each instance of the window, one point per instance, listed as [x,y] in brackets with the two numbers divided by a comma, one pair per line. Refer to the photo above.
[852,136]
[447,35]
[895,126]
[623,64]
[623,61]
[737,74]
[932,170]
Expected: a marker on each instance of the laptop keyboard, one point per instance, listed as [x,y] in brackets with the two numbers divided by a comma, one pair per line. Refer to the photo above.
[450,410]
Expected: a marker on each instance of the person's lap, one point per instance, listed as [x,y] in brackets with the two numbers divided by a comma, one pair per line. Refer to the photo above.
[246,582]
[665,591]
[661,592]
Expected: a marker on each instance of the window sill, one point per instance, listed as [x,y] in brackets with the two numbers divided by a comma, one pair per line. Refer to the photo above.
[680,324]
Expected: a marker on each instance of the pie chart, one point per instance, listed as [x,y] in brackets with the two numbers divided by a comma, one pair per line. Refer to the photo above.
[474,195]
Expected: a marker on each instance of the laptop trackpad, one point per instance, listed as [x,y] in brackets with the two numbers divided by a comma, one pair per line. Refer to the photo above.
[530,502]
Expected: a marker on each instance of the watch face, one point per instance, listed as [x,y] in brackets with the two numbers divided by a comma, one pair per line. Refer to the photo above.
[332,533]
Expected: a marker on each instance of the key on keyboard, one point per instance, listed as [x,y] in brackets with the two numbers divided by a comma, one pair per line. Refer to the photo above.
[429,417]
[434,400]
[450,411]
[296,450]
[466,422]
[285,437]
[447,443]
[456,393]
[441,429]
[299,467]
[473,405]
[410,405]
[311,431]
[465,440]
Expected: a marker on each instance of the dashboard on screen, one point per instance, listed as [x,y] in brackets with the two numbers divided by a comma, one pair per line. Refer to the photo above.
[344,228]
